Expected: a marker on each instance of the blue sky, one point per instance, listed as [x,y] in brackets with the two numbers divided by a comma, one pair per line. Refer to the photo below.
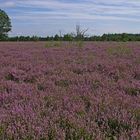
[48,17]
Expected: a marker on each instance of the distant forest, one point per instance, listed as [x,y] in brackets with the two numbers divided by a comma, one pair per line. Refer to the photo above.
[70,37]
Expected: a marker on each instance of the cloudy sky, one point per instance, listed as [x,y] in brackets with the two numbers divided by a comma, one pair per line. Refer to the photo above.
[48,17]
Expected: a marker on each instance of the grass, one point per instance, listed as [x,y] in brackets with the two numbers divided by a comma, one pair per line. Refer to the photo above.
[80,44]
[51,44]
[136,114]
[119,51]
[133,91]
[62,83]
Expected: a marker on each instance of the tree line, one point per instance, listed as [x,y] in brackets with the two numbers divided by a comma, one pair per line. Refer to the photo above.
[67,37]
[5,27]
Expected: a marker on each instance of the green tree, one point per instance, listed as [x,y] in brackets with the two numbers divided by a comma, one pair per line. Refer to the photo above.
[5,24]
[56,37]
[68,37]
[34,38]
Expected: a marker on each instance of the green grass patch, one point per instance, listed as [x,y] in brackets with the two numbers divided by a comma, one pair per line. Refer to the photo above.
[52,44]
[80,44]
[116,127]
[119,51]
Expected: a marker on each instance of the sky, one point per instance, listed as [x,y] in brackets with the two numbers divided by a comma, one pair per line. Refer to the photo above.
[49,17]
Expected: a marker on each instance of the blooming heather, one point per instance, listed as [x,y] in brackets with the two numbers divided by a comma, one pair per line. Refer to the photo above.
[70,93]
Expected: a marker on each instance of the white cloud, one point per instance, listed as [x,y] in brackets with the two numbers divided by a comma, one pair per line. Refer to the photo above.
[119,9]
[7,4]
[43,16]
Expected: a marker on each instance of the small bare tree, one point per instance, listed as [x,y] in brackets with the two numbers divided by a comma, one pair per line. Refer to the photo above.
[80,34]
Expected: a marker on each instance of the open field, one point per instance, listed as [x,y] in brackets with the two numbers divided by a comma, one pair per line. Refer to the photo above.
[68,92]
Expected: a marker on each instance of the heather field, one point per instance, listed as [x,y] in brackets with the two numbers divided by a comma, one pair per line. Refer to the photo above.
[70,91]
